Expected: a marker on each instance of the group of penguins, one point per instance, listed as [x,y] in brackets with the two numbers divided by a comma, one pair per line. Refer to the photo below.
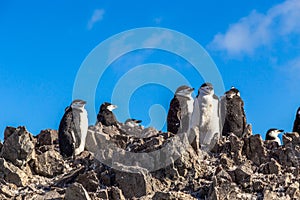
[206,114]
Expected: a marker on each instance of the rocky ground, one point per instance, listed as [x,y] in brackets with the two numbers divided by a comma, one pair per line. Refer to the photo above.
[249,168]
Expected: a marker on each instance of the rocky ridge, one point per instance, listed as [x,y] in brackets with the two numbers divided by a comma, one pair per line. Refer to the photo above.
[249,168]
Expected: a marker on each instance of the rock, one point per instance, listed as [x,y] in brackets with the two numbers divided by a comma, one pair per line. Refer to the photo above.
[172,196]
[18,148]
[47,137]
[9,130]
[134,184]
[12,174]
[89,181]
[76,192]
[293,191]
[49,164]
[8,190]
[254,149]
[52,195]
[116,194]
[101,194]
[293,138]
[242,175]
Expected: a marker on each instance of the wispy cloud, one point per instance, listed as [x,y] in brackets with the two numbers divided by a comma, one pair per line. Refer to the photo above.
[96,17]
[259,29]
[157,20]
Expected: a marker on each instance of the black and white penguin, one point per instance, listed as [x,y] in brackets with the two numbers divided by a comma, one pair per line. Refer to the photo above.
[233,114]
[272,135]
[206,116]
[133,123]
[296,127]
[105,116]
[181,108]
[73,129]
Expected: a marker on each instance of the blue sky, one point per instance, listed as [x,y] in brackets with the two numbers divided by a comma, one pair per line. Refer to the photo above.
[255,45]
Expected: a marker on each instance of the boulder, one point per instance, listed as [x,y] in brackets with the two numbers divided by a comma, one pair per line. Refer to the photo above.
[47,137]
[18,148]
[255,150]
[12,174]
[134,184]
[76,192]
[89,181]
[49,164]
[116,194]
[172,196]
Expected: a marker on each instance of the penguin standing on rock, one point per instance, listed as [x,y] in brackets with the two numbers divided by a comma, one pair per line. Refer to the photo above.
[206,116]
[181,108]
[232,110]
[133,123]
[73,129]
[272,135]
[296,127]
[105,116]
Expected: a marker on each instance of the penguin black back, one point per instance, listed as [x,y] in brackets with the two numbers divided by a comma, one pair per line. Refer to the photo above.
[66,126]
[105,116]
[296,127]
[233,110]
[173,117]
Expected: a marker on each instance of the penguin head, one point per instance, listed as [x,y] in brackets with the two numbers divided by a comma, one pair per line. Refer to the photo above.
[274,132]
[232,92]
[206,89]
[78,104]
[107,106]
[184,90]
[298,113]
[133,122]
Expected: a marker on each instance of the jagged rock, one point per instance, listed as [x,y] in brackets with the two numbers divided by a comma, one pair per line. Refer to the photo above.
[134,184]
[47,137]
[172,196]
[236,146]
[293,138]
[49,164]
[99,195]
[76,192]
[12,174]
[18,148]
[254,149]
[272,167]
[9,130]
[116,194]
[293,190]
[242,175]
[89,181]
[8,190]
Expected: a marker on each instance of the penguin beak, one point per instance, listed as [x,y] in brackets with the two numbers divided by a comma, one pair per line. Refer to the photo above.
[138,121]
[192,89]
[280,130]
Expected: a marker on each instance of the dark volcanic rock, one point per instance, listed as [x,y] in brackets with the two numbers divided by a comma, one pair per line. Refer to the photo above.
[89,181]
[237,168]
[76,192]
[47,137]
[12,174]
[49,164]
[18,148]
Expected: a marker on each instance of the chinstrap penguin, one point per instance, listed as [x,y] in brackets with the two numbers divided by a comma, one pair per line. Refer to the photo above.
[272,135]
[105,116]
[233,114]
[73,129]
[206,117]
[296,127]
[181,108]
[133,123]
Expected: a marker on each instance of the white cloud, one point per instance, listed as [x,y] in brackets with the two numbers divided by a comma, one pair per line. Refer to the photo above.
[258,30]
[96,17]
